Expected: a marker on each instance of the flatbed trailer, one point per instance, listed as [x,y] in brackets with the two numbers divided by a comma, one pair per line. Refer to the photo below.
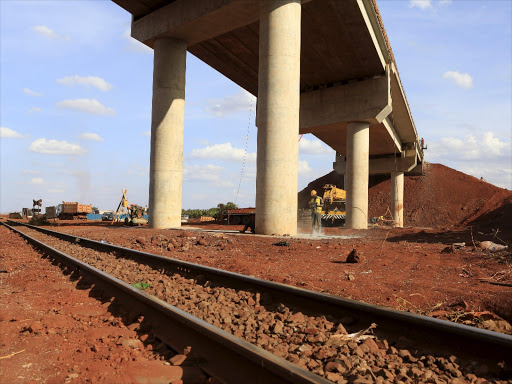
[240,215]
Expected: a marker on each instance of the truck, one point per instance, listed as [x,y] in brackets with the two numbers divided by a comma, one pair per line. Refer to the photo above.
[74,211]
[238,216]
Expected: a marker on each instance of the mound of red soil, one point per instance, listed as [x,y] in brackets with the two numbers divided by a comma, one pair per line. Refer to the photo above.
[495,215]
[443,197]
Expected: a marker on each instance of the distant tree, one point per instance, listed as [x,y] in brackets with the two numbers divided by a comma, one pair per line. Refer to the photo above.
[231,205]
[95,210]
[212,212]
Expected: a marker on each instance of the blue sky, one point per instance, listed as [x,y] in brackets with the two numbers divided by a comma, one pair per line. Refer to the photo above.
[75,103]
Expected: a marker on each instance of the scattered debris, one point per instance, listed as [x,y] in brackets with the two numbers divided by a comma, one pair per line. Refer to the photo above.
[353,257]
[459,245]
[356,336]
[491,246]
[497,283]
[141,285]
[465,271]
[282,244]
[11,355]
[178,359]
[487,320]
[465,274]
[449,249]
[350,277]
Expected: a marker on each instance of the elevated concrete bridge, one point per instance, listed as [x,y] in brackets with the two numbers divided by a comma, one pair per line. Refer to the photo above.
[323,67]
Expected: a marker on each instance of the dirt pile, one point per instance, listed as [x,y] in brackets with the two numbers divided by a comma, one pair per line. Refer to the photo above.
[495,215]
[443,197]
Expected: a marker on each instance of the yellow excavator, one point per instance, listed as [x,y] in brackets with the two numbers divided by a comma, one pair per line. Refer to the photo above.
[334,210]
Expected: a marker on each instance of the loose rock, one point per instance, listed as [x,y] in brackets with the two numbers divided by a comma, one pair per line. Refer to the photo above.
[353,257]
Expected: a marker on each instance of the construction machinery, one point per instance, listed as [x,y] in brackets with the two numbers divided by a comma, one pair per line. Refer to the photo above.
[135,215]
[51,212]
[122,204]
[74,211]
[334,209]
[27,213]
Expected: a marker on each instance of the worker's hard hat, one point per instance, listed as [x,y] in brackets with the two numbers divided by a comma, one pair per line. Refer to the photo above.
[313,192]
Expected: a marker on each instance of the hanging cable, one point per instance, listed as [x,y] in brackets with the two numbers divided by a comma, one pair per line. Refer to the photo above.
[245,151]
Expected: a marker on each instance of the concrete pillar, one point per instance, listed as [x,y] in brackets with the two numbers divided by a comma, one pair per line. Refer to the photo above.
[340,166]
[397,198]
[358,147]
[167,122]
[278,117]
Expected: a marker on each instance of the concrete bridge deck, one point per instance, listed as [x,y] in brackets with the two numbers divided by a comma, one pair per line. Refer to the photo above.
[325,69]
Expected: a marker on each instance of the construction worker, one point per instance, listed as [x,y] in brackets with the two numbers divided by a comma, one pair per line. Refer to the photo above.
[315,204]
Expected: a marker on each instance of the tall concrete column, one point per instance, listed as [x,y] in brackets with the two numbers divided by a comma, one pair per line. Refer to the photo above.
[167,123]
[397,198]
[278,117]
[358,150]
[340,166]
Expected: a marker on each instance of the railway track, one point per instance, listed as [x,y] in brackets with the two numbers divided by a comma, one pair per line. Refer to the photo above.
[312,336]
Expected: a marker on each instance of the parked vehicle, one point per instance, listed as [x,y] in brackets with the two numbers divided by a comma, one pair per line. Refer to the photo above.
[73,211]
[238,216]
[107,216]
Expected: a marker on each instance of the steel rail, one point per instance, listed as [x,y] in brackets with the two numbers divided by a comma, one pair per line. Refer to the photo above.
[430,334]
[220,354]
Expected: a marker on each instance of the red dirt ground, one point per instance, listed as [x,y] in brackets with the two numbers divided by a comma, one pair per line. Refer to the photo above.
[53,331]
[400,268]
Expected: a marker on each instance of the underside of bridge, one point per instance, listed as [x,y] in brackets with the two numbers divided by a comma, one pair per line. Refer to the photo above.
[323,67]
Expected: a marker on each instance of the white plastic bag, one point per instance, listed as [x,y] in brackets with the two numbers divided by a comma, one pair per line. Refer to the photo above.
[492,247]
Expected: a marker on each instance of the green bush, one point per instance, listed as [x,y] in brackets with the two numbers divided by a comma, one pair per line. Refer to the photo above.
[212,212]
